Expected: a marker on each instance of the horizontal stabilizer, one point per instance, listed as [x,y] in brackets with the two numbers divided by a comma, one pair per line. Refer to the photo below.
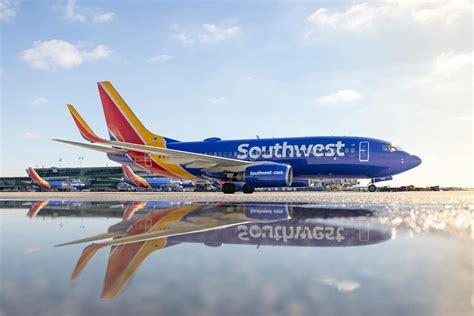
[103,149]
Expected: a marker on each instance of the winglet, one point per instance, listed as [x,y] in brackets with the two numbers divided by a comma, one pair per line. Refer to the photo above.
[85,257]
[37,179]
[84,129]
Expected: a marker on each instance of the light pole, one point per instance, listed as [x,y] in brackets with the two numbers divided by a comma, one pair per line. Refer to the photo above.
[81,159]
[60,161]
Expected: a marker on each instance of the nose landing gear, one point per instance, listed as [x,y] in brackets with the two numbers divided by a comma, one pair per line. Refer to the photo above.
[372,187]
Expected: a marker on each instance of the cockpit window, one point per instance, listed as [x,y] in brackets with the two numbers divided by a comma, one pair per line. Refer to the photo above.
[391,148]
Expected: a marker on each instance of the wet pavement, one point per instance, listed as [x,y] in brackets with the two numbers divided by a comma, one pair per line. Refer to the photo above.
[301,254]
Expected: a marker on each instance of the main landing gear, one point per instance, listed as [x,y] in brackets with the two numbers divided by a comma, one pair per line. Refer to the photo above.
[372,187]
[229,188]
[247,189]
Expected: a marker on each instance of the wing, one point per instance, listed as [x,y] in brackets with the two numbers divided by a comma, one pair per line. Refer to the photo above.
[173,230]
[189,159]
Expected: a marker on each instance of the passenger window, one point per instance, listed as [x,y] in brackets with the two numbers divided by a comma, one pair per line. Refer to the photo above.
[353,150]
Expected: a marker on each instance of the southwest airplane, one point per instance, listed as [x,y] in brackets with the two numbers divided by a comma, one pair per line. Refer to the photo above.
[148,183]
[271,162]
[255,224]
[54,184]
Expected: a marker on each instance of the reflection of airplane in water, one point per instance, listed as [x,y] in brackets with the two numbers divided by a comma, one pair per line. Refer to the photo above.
[79,208]
[140,233]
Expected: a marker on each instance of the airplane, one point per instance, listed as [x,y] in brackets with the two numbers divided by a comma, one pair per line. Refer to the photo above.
[270,162]
[149,183]
[58,185]
[256,224]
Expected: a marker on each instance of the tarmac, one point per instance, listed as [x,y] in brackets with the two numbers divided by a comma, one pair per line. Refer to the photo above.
[330,198]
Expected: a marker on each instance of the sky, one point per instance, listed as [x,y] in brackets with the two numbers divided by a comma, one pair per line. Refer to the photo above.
[401,72]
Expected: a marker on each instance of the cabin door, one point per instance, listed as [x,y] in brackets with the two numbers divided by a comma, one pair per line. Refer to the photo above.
[148,160]
[364,151]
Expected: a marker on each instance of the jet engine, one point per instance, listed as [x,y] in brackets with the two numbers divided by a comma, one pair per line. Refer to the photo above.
[268,175]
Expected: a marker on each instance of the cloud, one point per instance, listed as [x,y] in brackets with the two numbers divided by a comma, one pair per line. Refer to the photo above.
[464,118]
[341,285]
[216,100]
[105,17]
[39,101]
[55,54]
[71,14]
[361,16]
[449,63]
[447,69]
[213,33]
[206,33]
[32,249]
[161,58]
[183,38]
[355,17]
[447,11]
[8,9]
[341,96]
[30,136]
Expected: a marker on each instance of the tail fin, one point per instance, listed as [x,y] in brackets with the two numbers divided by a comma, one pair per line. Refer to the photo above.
[37,179]
[36,208]
[122,123]
[84,129]
[137,180]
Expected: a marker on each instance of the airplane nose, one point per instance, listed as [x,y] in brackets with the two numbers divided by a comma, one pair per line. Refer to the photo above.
[415,160]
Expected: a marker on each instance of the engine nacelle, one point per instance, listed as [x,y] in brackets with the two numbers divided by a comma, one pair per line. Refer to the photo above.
[269,175]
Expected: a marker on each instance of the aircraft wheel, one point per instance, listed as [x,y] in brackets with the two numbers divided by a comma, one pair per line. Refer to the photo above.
[372,188]
[229,188]
[247,189]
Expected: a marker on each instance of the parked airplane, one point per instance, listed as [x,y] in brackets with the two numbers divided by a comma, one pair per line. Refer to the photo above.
[59,185]
[149,183]
[272,162]
[256,224]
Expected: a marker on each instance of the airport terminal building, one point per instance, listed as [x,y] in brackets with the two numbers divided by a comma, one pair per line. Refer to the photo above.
[96,178]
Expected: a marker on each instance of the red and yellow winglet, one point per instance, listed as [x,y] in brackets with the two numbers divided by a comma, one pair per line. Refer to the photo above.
[85,130]
[137,180]
[37,179]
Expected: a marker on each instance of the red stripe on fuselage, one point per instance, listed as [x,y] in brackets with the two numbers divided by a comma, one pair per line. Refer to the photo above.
[140,159]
